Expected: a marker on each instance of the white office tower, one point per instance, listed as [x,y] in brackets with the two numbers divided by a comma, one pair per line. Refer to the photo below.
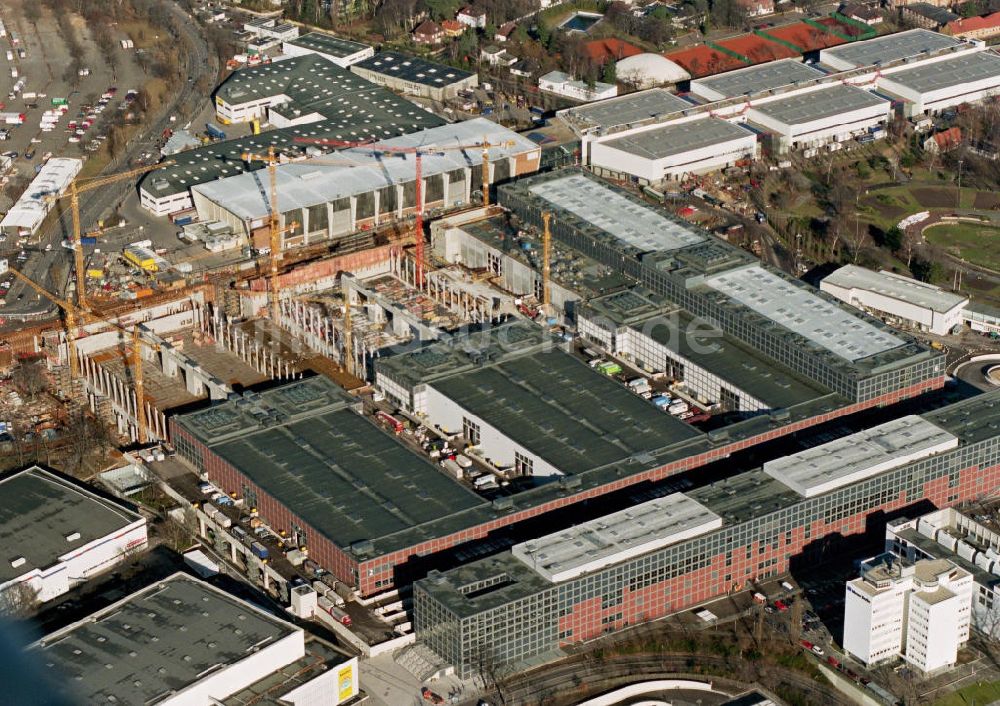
[917,611]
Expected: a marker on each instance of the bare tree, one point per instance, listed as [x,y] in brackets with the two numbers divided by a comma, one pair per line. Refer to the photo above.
[18,600]
[29,378]
[86,437]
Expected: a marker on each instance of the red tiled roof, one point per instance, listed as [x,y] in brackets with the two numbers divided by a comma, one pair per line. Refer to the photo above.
[428,28]
[600,50]
[972,24]
[948,139]
[507,29]
[451,25]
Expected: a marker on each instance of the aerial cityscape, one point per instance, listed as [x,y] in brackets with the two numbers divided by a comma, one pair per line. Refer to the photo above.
[583,353]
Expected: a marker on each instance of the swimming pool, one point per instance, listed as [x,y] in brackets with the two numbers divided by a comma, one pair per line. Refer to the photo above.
[581,21]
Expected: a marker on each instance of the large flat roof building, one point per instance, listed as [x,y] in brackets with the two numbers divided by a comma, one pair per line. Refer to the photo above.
[754,79]
[328,201]
[59,533]
[934,86]
[178,641]
[821,339]
[415,76]
[897,298]
[833,112]
[342,52]
[677,149]
[310,97]
[581,583]
[887,49]
[624,110]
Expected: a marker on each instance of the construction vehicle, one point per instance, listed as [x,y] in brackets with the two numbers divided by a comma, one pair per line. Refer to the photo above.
[418,153]
[81,186]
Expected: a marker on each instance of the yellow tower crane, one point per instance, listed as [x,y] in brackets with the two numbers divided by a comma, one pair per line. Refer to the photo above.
[348,332]
[271,160]
[74,314]
[82,186]
[69,318]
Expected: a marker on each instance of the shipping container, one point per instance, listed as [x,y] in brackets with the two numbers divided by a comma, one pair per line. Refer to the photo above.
[259,550]
[662,401]
[678,407]
[60,101]
[214,132]
[88,240]
[340,615]
[241,535]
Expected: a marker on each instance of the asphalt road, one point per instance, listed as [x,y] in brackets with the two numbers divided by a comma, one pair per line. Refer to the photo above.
[93,205]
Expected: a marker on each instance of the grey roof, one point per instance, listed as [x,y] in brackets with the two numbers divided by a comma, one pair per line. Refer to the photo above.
[740,498]
[939,15]
[569,414]
[891,47]
[617,537]
[679,138]
[627,109]
[827,102]
[39,510]
[705,345]
[303,444]
[413,69]
[805,313]
[861,455]
[353,109]
[157,642]
[327,44]
[889,284]
[638,226]
[755,79]
[310,182]
[962,69]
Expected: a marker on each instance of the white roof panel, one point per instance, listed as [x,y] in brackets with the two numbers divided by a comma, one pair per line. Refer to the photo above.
[617,537]
[801,311]
[896,286]
[642,228]
[858,456]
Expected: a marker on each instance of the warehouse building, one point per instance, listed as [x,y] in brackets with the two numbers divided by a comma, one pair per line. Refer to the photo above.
[933,86]
[342,52]
[673,151]
[329,201]
[785,73]
[183,641]
[830,113]
[897,299]
[711,366]
[26,215]
[813,334]
[59,533]
[889,48]
[963,540]
[415,76]
[316,98]
[641,564]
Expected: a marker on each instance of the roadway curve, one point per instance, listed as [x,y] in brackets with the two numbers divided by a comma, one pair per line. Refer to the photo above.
[582,678]
[199,61]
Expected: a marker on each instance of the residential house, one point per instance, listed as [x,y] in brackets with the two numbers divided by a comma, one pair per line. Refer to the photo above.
[927,16]
[943,141]
[757,8]
[983,27]
[472,17]
[505,32]
[495,56]
[453,28]
[862,13]
[428,32]
[525,68]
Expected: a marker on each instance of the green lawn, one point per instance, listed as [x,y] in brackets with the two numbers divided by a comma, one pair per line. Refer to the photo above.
[978,244]
[978,694]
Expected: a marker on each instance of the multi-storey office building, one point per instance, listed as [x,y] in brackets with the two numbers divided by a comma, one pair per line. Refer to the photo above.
[920,611]
[965,541]
[815,335]
[575,585]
